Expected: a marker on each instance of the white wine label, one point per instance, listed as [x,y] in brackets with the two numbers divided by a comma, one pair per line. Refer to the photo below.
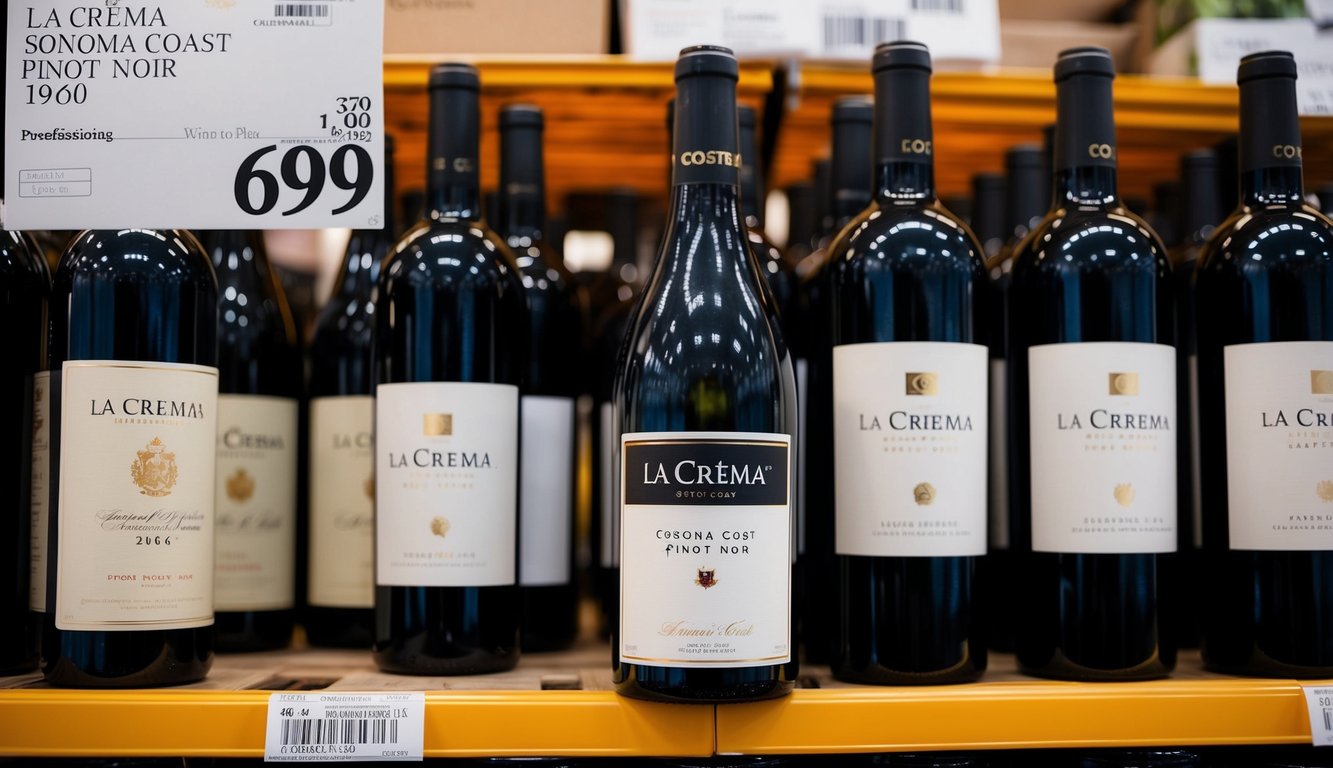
[98,86]
[802,369]
[446,484]
[909,431]
[1103,459]
[342,502]
[608,470]
[546,494]
[705,580]
[1279,472]
[256,503]
[345,726]
[135,496]
[998,465]
[40,502]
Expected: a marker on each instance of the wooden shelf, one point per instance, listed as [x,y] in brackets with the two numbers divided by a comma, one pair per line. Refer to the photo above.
[509,714]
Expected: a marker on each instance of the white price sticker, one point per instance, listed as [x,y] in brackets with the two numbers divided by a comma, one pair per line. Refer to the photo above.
[1319,699]
[208,114]
[345,727]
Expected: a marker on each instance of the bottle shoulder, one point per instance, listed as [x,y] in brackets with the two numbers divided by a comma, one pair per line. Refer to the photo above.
[1258,240]
[22,263]
[448,251]
[142,256]
[887,236]
[1091,239]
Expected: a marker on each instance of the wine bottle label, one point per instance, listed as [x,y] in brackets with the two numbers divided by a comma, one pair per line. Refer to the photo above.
[256,503]
[1279,470]
[1103,456]
[998,483]
[802,370]
[609,550]
[342,502]
[40,502]
[705,580]
[446,484]
[135,496]
[546,497]
[909,430]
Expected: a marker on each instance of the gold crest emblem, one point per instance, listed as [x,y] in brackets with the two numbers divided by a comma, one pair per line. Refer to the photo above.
[1124,494]
[437,424]
[440,526]
[923,494]
[369,487]
[1325,490]
[154,469]
[923,383]
[706,578]
[1124,384]
[240,486]
[1321,382]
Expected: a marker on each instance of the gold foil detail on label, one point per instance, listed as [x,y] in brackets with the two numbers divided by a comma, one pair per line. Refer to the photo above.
[923,494]
[1321,382]
[1325,490]
[437,424]
[1123,383]
[1124,494]
[925,383]
[154,470]
[440,526]
[240,486]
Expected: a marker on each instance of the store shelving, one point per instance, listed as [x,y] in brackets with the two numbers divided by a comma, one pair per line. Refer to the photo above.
[511,715]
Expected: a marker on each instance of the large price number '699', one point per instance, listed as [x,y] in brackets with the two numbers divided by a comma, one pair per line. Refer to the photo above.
[349,169]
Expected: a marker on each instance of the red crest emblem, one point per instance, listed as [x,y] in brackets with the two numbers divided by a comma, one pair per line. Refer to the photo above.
[706,578]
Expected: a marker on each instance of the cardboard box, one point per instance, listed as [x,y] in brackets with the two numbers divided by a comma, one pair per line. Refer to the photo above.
[1038,43]
[1211,49]
[1067,10]
[496,26]
[957,31]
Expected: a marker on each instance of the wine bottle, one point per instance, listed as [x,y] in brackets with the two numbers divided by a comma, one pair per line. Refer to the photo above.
[1093,383]
[800,220]
[1027,186]
[25,287]
[1198,213]
[989,192]
[849,193]
[450,350]
[546,486]
[774,267]
[340,596]
[133,437]
[909,408]
[610,316]
[1264,299]
[706,403]
[259,382]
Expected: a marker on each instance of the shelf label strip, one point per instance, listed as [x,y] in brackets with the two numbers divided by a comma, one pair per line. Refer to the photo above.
[345,727]
[1319,700]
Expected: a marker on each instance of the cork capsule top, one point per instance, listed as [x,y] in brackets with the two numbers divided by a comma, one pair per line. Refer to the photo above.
[707,60]
[1266,64]
[901,54]
[1084,60]
[515,115]
[454,76]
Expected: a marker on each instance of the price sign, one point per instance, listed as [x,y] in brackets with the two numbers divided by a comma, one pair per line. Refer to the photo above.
[334,726]
[1319,702]
[209,114]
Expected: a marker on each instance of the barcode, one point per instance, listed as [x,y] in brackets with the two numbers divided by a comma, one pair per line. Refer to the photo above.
[862,31]
[1328,721]
[300,11]
[326,731]
[938,6]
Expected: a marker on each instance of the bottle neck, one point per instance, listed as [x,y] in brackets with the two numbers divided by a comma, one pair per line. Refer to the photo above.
[705,148]
[704,203]
[453,189]
[522,195]
[238,256]
[1272,186]
[752,179]
[1086,186]
[1269,147]
[905,181]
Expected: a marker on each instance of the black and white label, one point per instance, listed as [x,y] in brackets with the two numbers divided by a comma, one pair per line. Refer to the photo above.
[1103,447]
[909,429]
[243,133]
[446,484]
[546,520]
[706,537]
[1279,412]
[345,727]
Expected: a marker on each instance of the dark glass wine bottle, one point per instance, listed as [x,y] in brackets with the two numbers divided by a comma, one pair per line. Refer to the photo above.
[909,408]
[259,374]
[340,594]
[706,403]
[450,351]
[773,265]
[801,222]
[989,192]
[133,429]
[849,191]
[1264,299]
[25,288]
[1027,185]
[547,484]
[1093,383]
[611,310]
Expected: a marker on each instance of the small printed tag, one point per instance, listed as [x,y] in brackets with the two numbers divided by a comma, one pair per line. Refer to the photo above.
[1319,699]
[345,727]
